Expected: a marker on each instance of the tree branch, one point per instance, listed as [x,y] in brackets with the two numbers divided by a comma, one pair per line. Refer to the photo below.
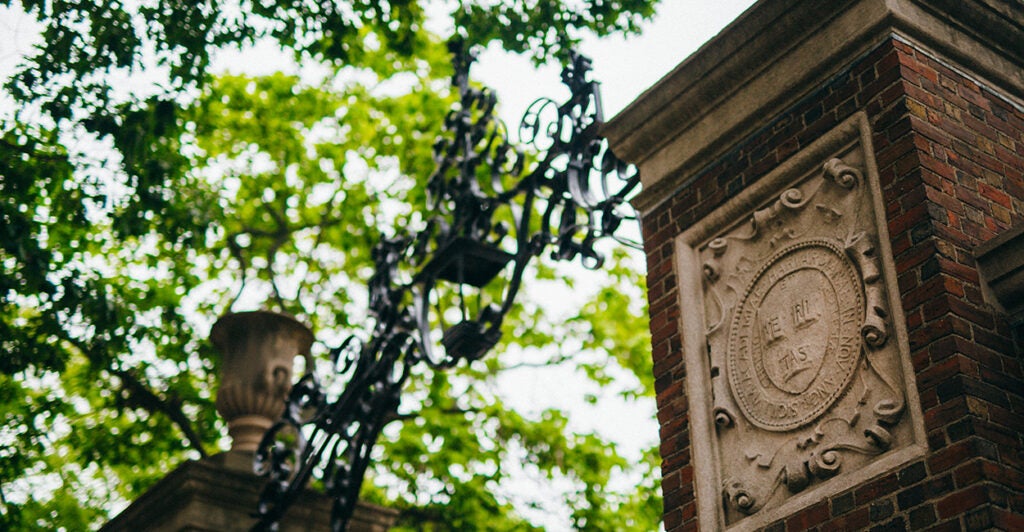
[35,153]
[547,363]
[146,399]
[142,396]
[451,410]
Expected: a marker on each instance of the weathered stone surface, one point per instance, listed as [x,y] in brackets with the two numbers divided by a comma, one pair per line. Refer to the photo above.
[800,351]
[258,350]
[220,494]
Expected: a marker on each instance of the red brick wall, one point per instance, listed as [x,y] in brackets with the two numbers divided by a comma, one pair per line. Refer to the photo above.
[950,156]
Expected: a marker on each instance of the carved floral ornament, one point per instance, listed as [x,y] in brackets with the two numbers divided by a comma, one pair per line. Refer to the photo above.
[802,372]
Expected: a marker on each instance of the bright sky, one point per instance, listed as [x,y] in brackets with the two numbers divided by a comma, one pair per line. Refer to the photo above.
[625,66]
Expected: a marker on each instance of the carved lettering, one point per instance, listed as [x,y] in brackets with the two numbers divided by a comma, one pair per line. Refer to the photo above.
[808,381]
[772,328]
[794,340]
[804,313]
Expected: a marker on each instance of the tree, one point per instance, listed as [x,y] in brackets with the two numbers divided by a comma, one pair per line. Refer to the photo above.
[269,189]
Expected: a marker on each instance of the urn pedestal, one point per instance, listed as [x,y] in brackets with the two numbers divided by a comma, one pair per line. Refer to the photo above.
[258,350]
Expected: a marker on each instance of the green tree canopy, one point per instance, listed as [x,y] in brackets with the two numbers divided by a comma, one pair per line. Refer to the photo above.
[129,221]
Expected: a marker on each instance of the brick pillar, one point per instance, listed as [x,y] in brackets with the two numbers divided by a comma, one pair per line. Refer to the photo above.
[821,182]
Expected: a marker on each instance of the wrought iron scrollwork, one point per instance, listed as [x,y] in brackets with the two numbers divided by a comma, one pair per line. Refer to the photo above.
[493,207]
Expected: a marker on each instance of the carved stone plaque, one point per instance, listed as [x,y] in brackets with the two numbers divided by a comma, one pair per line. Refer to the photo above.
[794,337]
[793,342]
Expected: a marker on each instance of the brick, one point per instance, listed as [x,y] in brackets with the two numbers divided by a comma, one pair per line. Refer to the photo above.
[910,497]
[940,168]
[912,217]
[1013,421]
[996,342]
[942,349]
[855,520]
[960,429]
[948,526]
[914,257]
[961,501]
[912,474]
[673,519]
[875,489]
[926,291]
[842,503]
[942,371]
[929,131]
[894,525]
[969,473]
[978,519]
[930,332]
[950,456]
[689,512]
[922,517]
[972,313]
[984,391]
[880,510]
[959,271]
[1006,520]
[812,516]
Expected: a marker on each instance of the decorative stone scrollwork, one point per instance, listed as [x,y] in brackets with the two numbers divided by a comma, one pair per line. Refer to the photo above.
[825,464]
[803,372]
[862,251]
[795,475]
[841,173]
[723,418]
[740,498]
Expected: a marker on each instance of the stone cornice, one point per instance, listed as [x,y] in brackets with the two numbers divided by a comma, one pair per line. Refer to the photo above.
[1001,262]
[219,493]
[780,50]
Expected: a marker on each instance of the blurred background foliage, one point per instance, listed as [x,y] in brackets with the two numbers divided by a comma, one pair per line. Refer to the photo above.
[133,214]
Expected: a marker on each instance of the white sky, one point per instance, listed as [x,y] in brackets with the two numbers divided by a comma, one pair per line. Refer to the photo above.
[625,66]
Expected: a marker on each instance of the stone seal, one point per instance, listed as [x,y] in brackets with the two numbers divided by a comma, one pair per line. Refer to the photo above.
[794,339]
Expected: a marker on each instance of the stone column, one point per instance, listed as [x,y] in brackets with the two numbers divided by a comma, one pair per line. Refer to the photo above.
[831,196]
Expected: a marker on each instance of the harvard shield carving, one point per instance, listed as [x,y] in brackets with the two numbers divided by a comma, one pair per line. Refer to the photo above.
[799,316]
[796,368]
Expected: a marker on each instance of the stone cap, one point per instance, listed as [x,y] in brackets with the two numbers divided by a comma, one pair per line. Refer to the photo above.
[1001,262]
[779,51]
[214,494]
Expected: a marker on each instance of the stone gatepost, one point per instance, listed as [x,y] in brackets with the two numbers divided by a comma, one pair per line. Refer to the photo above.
[220,493]
[832,209]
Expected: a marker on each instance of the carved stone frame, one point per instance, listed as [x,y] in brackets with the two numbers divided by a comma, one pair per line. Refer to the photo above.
[754,202]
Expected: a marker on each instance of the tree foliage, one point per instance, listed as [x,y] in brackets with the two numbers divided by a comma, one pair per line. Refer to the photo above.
[129,220]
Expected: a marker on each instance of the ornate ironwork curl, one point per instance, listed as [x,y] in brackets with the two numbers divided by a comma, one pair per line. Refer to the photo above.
[493,211]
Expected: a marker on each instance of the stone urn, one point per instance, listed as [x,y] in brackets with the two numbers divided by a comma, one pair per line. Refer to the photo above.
[258,352]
